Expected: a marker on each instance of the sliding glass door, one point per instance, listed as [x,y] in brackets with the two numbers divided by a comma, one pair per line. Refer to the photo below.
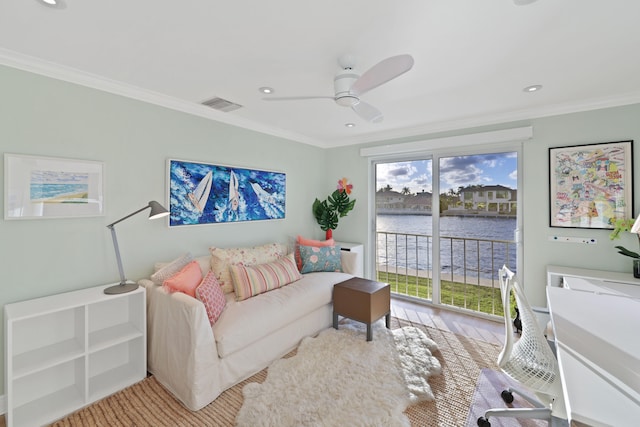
[445,224]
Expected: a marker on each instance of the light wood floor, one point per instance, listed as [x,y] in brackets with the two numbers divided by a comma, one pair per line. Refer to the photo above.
[449,320]
[441,318]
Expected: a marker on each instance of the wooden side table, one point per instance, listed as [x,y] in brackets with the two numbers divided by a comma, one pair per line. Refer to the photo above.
[362,300]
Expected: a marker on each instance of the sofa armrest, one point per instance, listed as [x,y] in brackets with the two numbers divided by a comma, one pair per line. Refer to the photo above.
[181,349]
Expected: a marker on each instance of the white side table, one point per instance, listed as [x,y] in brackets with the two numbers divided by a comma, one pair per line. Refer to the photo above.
[358,249]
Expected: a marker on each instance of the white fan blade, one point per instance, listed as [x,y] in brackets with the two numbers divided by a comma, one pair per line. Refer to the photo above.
[382,72]
[296,98]
[368,112]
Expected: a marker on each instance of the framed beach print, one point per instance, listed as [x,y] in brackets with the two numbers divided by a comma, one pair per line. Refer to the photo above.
[591,185]
[49,187]
[202,193]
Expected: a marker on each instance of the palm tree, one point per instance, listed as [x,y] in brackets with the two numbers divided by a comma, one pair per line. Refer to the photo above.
[406,191]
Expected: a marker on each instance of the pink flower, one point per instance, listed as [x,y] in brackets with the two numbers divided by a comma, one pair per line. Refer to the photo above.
[343,185]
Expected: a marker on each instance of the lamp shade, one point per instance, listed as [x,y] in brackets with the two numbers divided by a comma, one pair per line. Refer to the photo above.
[157,210]
[636,226]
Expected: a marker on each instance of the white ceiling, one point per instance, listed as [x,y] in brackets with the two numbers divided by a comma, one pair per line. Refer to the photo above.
[472,58]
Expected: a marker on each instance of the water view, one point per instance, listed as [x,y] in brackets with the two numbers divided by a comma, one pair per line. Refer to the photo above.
[470,246]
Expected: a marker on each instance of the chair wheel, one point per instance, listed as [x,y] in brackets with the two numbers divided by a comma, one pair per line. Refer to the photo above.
[507,396]
[483,422]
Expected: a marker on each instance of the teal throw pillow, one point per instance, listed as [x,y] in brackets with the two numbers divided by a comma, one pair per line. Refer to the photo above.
[324,258]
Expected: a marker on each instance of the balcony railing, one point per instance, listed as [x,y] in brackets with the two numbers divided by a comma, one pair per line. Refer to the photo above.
[468,275]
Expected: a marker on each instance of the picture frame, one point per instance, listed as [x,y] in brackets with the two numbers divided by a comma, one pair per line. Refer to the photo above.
[38,187]
[204,193]
[591,186]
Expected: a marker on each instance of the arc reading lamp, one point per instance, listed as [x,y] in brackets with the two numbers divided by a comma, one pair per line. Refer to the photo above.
[157,211]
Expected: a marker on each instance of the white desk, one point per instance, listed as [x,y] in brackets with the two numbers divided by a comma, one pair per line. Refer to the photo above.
[598,347]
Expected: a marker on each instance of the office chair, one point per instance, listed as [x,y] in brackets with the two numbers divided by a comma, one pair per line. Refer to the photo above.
[528,360]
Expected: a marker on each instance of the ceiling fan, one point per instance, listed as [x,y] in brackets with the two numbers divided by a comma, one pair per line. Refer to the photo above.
[349,86]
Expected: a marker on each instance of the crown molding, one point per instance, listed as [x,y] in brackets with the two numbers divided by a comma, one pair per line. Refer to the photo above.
[34,65]
[45,68]
[494,119]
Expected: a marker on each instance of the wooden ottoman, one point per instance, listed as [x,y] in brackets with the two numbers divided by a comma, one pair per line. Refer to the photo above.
[362,300]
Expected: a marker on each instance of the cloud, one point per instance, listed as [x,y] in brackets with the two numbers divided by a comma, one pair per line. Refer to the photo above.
[455,172]
[414,175]
[398,172]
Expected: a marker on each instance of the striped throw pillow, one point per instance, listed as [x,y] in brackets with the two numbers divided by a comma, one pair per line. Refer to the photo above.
[251,280]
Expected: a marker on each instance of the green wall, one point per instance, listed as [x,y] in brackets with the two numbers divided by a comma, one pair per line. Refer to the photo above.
[605,125]
[46,117]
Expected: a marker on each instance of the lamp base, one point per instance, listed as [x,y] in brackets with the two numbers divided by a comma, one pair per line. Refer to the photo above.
[121,288]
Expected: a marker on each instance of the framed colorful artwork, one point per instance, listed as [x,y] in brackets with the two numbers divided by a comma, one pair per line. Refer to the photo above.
[202,193]
[47,187]
[590,186]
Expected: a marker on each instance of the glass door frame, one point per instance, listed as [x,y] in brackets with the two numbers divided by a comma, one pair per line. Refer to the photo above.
[435,156]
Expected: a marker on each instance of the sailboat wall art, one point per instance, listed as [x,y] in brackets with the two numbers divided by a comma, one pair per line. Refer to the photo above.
[201,193]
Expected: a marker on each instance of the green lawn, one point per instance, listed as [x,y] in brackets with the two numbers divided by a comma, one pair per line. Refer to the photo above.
[472,297]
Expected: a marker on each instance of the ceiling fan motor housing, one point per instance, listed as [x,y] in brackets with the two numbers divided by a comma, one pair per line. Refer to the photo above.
[342,84]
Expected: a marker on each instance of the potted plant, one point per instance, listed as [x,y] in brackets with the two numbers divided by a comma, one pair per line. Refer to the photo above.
[619,226]
[337,205]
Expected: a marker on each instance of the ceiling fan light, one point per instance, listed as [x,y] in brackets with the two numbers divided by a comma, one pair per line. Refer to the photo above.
[347,100]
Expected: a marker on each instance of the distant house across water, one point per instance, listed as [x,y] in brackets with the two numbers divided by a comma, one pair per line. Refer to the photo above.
[491,200]
[395,203]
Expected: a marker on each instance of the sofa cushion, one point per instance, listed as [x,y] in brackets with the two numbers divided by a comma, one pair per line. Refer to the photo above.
[251,280]
[165,271]
[244,322]
[186,280]
[221,259]
[324,258]
[308,242]
[210,293]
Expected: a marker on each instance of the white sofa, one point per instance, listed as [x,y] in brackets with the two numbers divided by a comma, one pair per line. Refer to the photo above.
[196,362]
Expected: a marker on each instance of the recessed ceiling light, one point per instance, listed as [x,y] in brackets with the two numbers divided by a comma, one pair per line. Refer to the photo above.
[533,88]
[350,125]
[57,4]
[266,90]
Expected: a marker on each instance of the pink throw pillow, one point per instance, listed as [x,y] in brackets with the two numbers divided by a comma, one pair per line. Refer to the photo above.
[309,242]
[212,296]
[186,280]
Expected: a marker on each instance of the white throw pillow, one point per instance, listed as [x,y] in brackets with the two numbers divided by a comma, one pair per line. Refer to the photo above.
[167,271]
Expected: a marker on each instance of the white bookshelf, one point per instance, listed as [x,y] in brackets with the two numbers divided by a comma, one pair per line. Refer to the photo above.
[66,351]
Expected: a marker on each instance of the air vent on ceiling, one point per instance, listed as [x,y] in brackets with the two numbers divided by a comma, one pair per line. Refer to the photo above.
[221,104]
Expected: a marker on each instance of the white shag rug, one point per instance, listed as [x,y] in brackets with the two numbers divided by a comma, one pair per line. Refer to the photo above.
[338,378]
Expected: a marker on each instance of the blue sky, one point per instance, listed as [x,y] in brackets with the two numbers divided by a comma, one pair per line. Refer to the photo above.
[481,169]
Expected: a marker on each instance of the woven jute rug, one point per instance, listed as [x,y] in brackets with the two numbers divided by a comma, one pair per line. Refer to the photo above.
[147,403]
[487,395]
